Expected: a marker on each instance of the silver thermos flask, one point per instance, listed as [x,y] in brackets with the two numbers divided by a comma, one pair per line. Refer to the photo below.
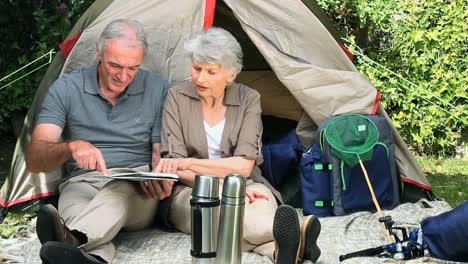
[231,220]
[205,213]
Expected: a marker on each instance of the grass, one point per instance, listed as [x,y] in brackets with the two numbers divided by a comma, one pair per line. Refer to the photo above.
[14,223]
[448,177]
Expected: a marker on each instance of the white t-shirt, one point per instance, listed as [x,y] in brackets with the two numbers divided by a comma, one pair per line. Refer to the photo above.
[213,138]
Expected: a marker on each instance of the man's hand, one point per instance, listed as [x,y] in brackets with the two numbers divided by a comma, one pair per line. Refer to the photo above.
[157,189]
[87,156]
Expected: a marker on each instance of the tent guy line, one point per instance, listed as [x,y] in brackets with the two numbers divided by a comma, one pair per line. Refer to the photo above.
[50,53]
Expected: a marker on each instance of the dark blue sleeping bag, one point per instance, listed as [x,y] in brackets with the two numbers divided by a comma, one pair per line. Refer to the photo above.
[281,158]
[446,235]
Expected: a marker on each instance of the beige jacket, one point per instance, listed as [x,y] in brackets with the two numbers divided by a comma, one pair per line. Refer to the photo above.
[183,133]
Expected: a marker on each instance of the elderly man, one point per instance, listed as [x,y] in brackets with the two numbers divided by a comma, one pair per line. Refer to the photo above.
[109,115]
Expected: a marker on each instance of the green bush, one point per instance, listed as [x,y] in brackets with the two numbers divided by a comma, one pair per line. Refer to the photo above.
[29,29]
[425,42]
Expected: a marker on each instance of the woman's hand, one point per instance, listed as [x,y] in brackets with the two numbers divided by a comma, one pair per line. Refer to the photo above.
[254,195]
[172,165]
[187,177]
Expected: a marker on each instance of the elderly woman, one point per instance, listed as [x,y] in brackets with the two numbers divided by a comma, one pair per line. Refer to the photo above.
[213,126]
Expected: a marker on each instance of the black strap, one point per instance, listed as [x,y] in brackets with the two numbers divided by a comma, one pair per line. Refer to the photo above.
[363,253]
[203,254]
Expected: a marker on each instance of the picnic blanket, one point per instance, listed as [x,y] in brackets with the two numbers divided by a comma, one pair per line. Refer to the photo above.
[340,235]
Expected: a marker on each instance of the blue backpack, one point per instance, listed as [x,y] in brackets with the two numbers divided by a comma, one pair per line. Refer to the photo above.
[331,187]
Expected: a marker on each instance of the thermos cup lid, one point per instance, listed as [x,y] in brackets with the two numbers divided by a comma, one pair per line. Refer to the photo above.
[206,186]
[234,186]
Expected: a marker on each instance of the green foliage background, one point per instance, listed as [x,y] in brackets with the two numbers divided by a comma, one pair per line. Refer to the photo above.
[29,29]
[426,43]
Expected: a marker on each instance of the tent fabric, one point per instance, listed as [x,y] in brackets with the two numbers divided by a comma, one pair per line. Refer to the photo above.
[321,79]
[347,51]
[282,23]
[276,100]
[67,46]
[408,166]
[377,102]
[165,36]
[210,8]
[290,57]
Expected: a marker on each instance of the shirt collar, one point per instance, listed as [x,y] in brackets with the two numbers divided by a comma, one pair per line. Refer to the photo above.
[91,84]
[231,96]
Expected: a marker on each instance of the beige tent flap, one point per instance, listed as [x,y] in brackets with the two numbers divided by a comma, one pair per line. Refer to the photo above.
[276,100]
[293,30]
[322,79]
[408,166]
[168,24]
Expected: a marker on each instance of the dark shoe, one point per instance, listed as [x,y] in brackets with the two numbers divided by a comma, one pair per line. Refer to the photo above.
[310,230]
[286,231]
[61,253]
[50,227]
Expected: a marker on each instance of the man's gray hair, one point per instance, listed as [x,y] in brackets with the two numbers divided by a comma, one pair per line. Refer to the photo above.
[122,29]
[216,46]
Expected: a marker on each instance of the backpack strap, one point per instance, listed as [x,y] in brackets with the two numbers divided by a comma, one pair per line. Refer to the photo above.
[324,203]
[323,166]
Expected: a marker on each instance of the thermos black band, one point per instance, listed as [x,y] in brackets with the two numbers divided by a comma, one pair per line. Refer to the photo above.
[197,232]
[204,204]
[203,254]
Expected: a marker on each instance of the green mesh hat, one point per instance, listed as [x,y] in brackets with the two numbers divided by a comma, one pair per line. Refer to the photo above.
[352,137]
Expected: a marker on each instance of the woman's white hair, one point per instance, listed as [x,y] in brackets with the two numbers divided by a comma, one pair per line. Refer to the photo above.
[216,46]
[122,29]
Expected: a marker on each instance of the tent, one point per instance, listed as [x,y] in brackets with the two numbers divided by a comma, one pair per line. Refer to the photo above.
[292,56]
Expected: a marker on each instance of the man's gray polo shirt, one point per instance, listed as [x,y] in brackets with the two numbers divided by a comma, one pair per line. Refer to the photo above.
[124,132]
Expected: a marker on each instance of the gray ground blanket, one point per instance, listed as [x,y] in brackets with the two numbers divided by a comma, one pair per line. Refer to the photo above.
[339,235]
